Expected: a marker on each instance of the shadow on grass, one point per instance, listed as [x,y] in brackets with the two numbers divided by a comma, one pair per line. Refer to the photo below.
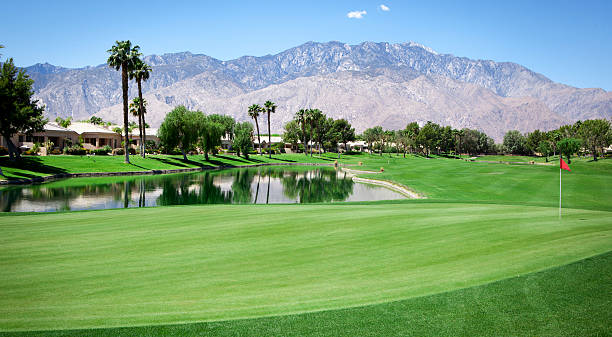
[28,163]
[167,161]
[283,160]
[232,158]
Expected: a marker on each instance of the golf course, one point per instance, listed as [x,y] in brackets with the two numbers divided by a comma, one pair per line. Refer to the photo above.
[483,252]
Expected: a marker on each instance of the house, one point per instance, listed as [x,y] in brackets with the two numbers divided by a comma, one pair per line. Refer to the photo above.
[264,141]
[54,133]
[93,136]
[358,145]
[96,136]
[150,135]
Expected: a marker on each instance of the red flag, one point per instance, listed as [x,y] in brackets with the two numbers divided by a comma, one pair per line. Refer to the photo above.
[564,165]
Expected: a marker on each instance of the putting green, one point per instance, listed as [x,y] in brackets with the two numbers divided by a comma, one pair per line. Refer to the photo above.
[196,263]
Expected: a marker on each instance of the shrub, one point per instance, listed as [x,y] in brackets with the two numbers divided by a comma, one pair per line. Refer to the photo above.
[75,150]
[56,151]
[34,149]
[278,147]
[103,151]
[121,152]
[3,151]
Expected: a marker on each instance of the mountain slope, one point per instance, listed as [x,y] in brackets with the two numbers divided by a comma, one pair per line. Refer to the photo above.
[201,81]
[367,100]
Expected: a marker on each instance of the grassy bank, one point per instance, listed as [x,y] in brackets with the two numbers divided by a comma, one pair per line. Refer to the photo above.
[34,166]
[587,186]
[184,264]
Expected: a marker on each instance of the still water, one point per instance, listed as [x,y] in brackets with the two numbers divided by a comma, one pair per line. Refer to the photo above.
[261,185]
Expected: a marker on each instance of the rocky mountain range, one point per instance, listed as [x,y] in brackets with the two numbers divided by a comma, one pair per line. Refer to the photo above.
[369,84]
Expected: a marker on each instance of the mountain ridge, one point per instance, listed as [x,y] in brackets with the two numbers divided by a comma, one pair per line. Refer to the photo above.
[92,90]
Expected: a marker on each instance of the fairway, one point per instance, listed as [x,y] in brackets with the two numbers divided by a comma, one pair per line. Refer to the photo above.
[203,263]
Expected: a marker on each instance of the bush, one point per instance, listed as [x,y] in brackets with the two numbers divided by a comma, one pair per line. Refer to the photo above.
[75,150]
[105,150]
[121,151]
[278,147]
[56,151]
[166,150]
[34,149]
[3,151]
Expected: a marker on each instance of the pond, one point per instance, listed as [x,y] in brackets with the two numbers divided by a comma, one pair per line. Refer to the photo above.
[257,185]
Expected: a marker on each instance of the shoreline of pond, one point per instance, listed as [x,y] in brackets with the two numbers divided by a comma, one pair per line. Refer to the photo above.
[38,180]
[404,190]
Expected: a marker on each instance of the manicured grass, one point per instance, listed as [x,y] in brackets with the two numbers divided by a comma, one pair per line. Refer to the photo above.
[185,264]
[588,186]
[482,222]
[33,166]
[572,300]
[519,159]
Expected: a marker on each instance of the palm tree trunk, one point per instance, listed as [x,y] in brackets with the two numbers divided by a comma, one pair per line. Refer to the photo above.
[124,86]
[258,138]
[269,138]
[304,135]
[141,120]
[311,140]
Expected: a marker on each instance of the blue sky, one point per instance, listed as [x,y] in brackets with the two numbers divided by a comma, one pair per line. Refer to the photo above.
[568,41]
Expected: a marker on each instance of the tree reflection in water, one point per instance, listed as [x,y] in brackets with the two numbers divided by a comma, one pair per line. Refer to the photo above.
[237,186]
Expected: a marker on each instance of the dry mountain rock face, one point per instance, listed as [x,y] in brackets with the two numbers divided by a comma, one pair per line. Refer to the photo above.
[369,84]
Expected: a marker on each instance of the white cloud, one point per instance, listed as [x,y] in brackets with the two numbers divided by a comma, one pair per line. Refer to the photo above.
[356,14]
[385,8]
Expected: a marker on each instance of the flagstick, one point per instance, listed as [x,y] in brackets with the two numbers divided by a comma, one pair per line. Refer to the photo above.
[560,188]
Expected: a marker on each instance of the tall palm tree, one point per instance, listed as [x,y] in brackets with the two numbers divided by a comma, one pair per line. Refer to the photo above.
[269,108]
[141,72]
[123,56]
[254,111]
[138,109]
[300,116]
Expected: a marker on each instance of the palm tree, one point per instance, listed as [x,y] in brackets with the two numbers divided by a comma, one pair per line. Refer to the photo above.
[141,72]
[123,56]
[138,109]
[254,111]
[269,108]
[300,116]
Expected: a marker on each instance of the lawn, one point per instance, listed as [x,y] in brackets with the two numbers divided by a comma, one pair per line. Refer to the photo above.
[186,264]
[571,300]
[464,261]
[35,166]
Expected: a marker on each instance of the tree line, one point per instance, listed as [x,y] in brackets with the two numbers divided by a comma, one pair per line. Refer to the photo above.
[429,138]
[587,137]
[313,126]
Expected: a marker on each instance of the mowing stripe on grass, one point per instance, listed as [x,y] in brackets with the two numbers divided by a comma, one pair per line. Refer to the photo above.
[202,263]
